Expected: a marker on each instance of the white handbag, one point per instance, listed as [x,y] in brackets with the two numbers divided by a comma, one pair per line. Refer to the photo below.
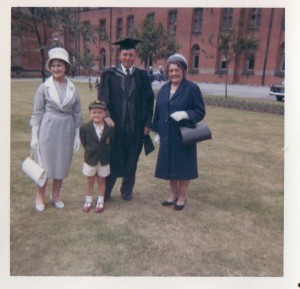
[33,170]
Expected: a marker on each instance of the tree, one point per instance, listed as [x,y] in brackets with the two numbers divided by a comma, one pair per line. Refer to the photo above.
[232,45]
[87,62]
[157,42]
[44,27]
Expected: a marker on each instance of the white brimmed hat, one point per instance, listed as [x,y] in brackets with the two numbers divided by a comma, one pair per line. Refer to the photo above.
[57,53]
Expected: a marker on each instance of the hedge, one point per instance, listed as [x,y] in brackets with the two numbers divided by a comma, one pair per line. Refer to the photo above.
[250,104]
[245,104]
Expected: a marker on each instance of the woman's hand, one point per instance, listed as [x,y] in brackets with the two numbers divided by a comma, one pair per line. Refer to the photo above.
[34,137]
[179,115]
[34,142]
[157,138]
[76,146]
[109,121]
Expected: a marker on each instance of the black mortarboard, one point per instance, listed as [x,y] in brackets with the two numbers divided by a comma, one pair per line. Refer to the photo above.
[127,43]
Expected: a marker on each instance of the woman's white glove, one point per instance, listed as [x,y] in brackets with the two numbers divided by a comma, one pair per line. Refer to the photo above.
[76,141]
[157,138]
[34,137]
[179,115]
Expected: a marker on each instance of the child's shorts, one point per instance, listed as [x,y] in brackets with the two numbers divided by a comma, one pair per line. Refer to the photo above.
[101,171]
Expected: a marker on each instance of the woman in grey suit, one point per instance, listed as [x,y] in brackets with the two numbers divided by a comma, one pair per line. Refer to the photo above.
[55,123]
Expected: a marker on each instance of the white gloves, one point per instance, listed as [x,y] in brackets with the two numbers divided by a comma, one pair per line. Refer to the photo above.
[76,141]
[157,138]
[34,137]
[179,115]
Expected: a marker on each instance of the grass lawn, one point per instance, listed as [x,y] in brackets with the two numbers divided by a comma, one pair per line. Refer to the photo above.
[232,224]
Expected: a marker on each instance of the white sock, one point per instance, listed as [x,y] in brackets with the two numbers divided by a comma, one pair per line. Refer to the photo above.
[89,199]
[100,200]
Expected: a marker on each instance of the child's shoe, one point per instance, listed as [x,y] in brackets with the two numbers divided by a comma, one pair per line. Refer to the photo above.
[87,205]
[100,205]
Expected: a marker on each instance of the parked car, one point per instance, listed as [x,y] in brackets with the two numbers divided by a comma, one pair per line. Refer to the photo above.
[277,90]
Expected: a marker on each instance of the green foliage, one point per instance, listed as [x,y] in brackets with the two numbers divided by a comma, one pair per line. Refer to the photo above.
[245,104]
[231,45]
[157,42]
[47,25]
[87,61]
[87,32]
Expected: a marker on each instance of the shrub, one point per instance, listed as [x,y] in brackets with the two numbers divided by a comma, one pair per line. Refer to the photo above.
[250,104]
[245,104]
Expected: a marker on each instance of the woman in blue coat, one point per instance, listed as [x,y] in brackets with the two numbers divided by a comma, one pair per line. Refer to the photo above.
[179,103]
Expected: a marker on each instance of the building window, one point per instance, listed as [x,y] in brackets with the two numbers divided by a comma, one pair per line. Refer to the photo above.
[151,16]
[195,57]
[250,62]
[223,63]
[119,28]
[282,62]
[227,18]
[255,18]
[130,25]
[102,25]
[172,22]
[85,33]
[102,59]
[198,18]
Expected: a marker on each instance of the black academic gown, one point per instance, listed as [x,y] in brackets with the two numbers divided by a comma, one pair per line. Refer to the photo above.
[131,112]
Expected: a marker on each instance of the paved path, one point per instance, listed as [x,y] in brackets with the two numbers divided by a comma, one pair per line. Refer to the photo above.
[249,91]
[261,92]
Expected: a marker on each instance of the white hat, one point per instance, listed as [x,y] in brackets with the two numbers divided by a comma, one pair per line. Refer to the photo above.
[57,53]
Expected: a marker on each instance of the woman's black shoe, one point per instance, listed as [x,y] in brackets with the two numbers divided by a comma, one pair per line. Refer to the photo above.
[167,204]
[179,207]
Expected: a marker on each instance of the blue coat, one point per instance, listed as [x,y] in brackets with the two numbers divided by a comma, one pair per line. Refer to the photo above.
[176,161]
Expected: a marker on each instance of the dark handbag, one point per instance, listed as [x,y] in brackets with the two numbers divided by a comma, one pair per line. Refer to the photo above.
[193,135]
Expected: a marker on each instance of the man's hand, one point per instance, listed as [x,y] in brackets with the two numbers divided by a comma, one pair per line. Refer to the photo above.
[147,130]
[109,121]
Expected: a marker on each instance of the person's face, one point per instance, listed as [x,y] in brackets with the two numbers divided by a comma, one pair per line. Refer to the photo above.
[58,69]
[175,73]
[127,57]
[97,114]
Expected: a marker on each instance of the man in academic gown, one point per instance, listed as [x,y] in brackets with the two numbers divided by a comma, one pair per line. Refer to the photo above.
[128,94]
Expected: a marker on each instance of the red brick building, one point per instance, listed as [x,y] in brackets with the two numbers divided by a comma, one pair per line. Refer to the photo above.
[192,28]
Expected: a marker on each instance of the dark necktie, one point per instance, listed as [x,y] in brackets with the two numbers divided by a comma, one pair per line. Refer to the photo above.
[128,81]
